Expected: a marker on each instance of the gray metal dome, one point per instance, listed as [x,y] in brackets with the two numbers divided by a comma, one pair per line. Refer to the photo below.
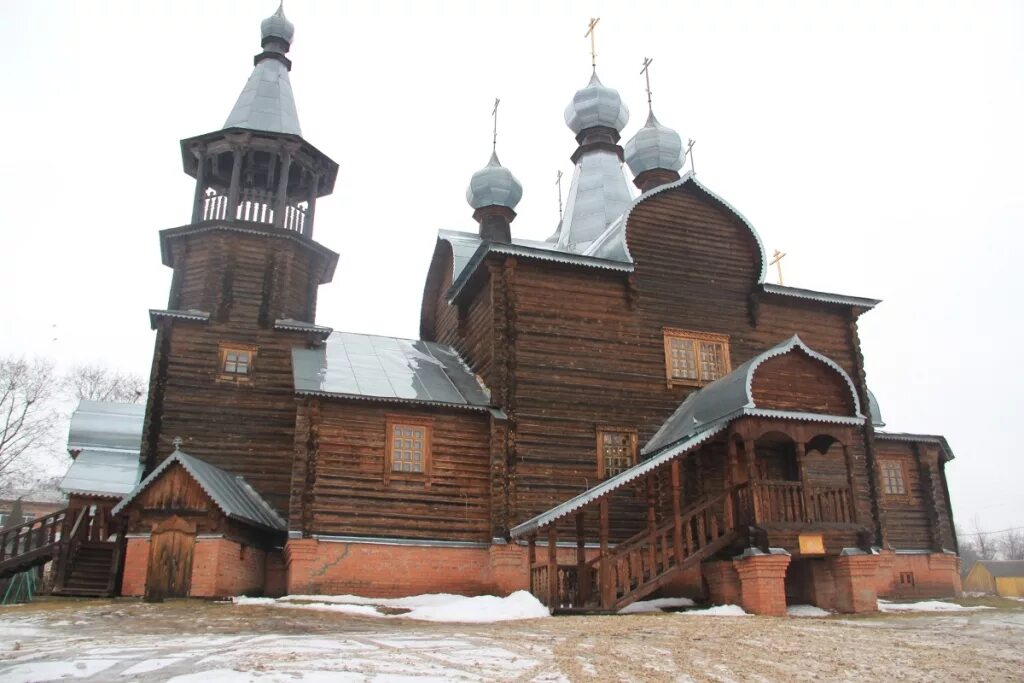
[494,185]
[278,26]
[654,146]
[596,105]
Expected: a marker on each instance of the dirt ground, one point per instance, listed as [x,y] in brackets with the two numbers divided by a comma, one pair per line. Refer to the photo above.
[190,641]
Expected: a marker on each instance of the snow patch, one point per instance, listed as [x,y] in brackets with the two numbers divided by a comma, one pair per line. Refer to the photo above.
[716,611]
[430,607]
[656,605]
[807,611]
[925,606]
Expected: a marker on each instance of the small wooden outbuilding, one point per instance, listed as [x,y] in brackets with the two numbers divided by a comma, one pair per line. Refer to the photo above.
[1004,578]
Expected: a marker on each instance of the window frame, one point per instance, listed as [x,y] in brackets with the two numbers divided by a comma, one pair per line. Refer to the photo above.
[901,466]
[228,347]
[601,430]
[392,421]
[671,333]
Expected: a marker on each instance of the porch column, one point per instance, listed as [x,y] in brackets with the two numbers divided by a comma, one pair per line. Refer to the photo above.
[677,513]
[606,578]
[805,494]
[236,182]
[582,575]
[531,559]
[552,566]
[754,478]
[652,528]
[281,201]
[730,482]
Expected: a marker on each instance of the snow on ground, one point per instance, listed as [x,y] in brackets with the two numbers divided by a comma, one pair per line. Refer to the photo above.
[925,606]
[807,611]
[656,605]
[445,607]
[716,611]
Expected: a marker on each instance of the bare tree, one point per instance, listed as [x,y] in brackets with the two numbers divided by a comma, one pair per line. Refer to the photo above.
[983,542]
[100,383]
[27,417]
[1011,545]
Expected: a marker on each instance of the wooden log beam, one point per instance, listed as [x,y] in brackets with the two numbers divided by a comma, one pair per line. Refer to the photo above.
[677,513]
[553,567]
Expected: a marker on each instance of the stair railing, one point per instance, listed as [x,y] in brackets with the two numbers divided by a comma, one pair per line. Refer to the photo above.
[31,536]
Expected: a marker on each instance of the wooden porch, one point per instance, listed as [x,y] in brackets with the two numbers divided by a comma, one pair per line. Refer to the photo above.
[688,522]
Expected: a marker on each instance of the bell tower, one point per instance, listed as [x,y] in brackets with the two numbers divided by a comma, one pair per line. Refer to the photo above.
[244,288]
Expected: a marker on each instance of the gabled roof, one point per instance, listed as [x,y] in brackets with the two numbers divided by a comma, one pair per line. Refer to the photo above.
[366,366]
[106,425]
[731,396]
[1001,569]
[229,492]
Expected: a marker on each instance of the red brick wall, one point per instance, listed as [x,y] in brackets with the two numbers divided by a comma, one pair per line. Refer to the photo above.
[378,570]
[136,562]
[935,575]
[222,568]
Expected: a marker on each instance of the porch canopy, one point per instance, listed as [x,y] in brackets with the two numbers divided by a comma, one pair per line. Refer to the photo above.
[788,392]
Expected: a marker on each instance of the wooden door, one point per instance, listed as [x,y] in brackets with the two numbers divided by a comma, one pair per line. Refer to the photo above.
[169,574]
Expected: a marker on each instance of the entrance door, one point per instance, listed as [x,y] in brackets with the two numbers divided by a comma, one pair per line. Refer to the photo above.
[169,574]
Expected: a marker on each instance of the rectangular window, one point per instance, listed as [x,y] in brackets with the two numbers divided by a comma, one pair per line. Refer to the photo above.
[893,480]
[907,578]
[695,358]
[236,361]
[616,451]
[408,446]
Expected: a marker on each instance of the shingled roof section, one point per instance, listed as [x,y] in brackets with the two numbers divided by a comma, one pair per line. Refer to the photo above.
[229,492]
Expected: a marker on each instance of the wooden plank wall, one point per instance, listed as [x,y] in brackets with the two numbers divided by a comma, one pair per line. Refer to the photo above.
[914,521]
[795,381]
[349,496]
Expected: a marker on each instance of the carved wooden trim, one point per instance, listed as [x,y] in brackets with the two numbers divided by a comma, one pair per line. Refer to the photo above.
[392,421]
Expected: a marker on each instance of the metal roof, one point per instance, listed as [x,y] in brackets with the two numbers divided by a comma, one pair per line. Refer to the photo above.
[301,326]
[731,396]
[191,314]
[103,473]
[874,411]
[654,146]
[266,102]
[387,368]
[106,425]
[596,105]
[599,193]
[229,492]
[939,441]
[494,185]
[812,295]
[1003,568]
[616,482]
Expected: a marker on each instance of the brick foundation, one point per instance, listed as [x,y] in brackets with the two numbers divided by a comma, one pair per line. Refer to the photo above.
[381,570]
[925,575]
[855,583]
[723,583]
[762,581]
[136,564]
[222,568]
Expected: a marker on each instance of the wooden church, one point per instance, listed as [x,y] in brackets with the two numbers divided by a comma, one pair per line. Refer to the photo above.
[625,409]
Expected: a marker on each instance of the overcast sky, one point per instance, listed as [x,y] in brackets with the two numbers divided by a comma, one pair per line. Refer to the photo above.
[878,144]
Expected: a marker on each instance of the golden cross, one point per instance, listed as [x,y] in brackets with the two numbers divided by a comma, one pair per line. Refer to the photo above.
[494,113]
[647,75]
[558,181]
[593,46]
[777,262]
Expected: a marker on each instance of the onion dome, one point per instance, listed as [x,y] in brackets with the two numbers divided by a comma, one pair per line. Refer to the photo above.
[278,26]
[494,185]
[654,147]
[596,105]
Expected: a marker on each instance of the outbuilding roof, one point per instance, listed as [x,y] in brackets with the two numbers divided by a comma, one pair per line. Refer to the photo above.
[371,367]
[103,473]
[1001,569]
[106,425]
[229,492]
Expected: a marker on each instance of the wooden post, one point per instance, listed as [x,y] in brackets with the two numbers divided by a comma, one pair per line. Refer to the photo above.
[848,457]
[805,494]
[755,489]
[677,513]
[606,579]
[652,529]
[553,592]
[582,575]
[730,483]
[200,196]
[236,181]
[281,201]
[314,190]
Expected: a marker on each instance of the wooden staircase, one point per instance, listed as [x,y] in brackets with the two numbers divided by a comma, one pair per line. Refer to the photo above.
[77,540]
[638,566]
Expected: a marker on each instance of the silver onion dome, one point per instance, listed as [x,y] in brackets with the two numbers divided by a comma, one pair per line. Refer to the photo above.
[596,105]
[494,185]
[278,26]
[654,146]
